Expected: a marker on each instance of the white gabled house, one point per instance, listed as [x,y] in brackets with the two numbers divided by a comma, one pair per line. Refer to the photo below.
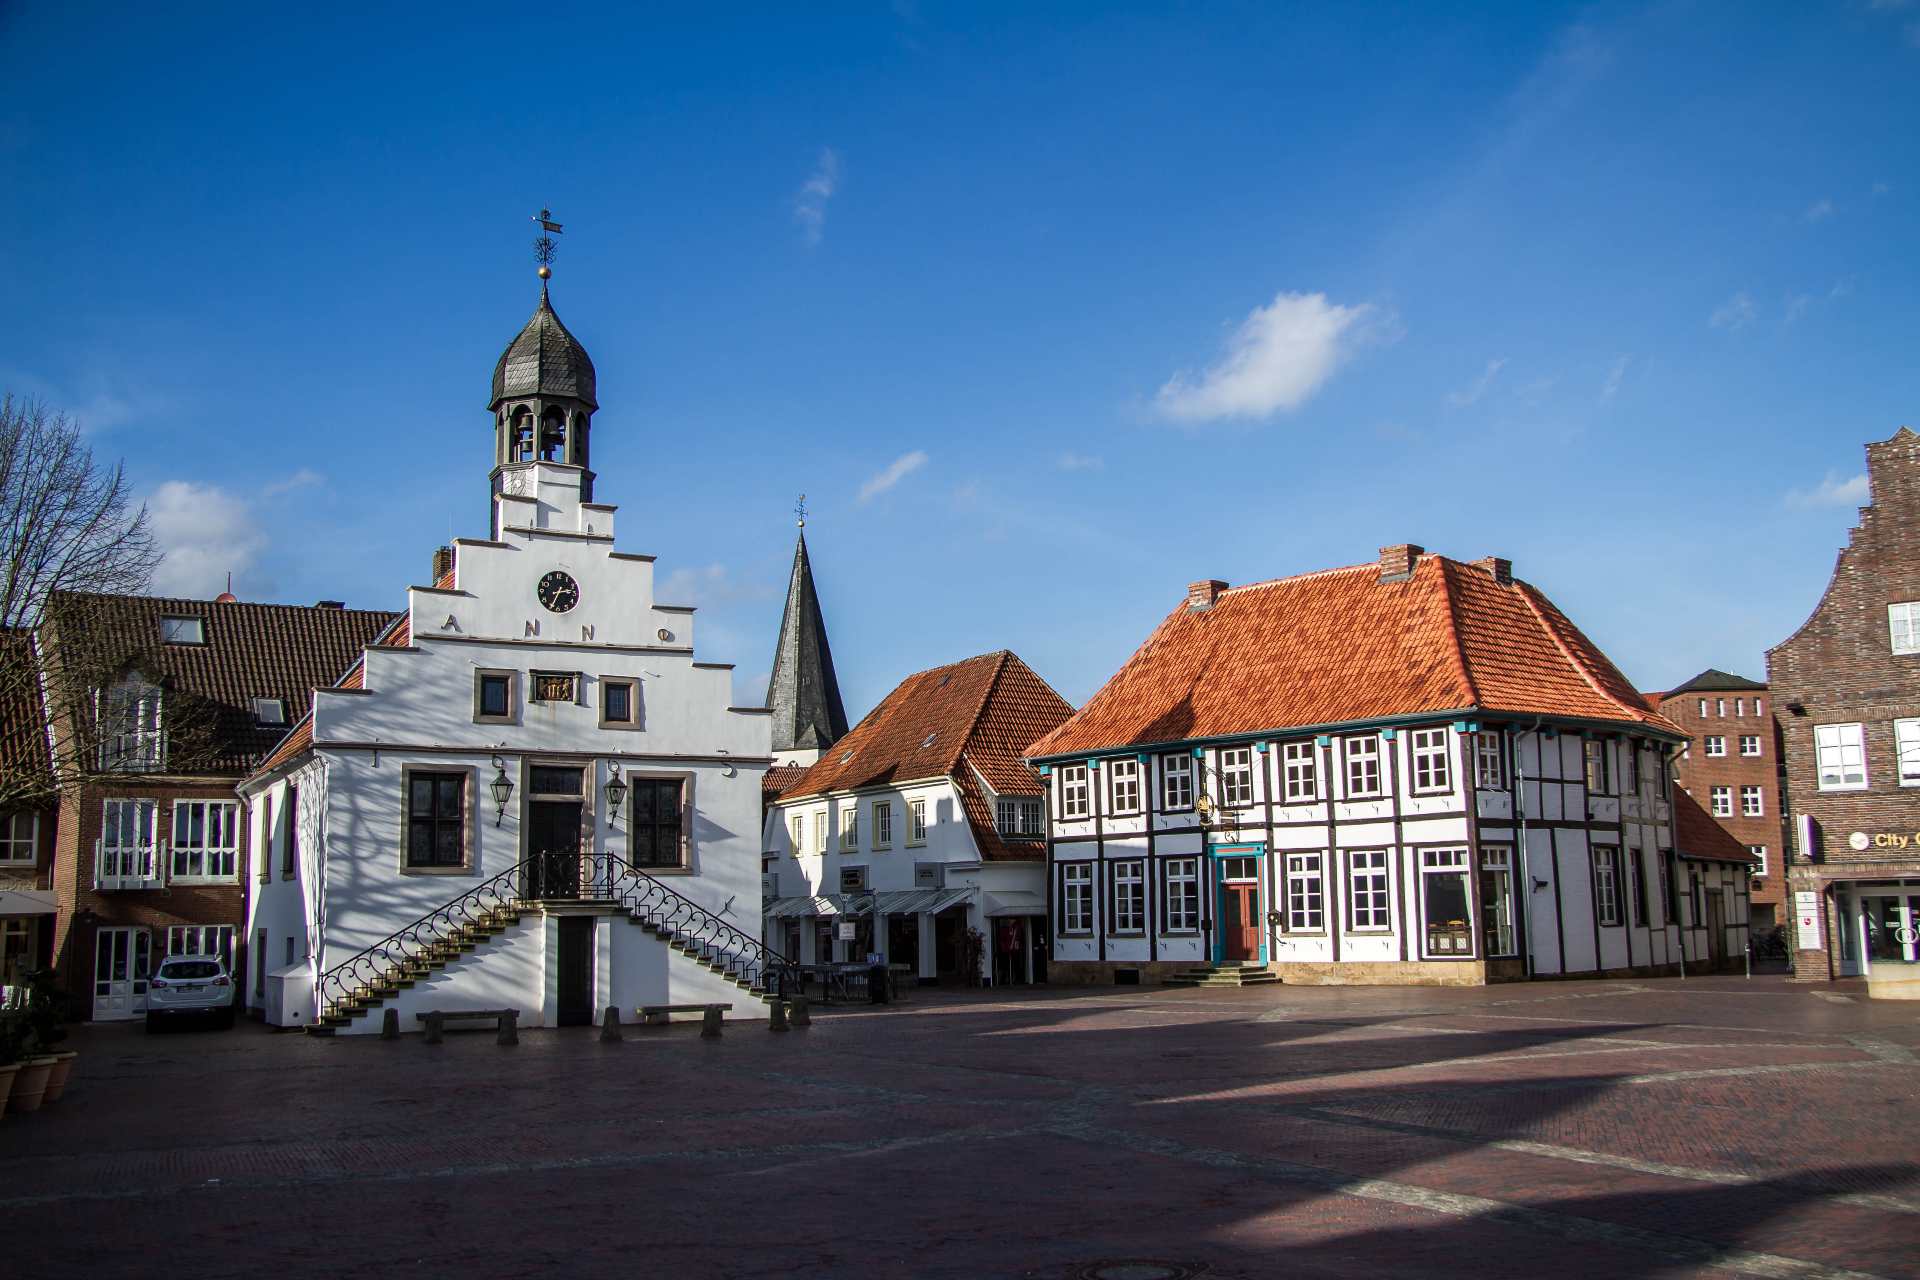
[1412,771]
[527,793]
[920,833]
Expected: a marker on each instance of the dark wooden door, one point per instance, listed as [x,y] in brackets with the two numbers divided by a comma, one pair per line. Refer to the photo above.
[575,996]
[553,845]
[1240,925]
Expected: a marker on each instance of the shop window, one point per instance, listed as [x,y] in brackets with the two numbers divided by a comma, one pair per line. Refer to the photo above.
[1444,901]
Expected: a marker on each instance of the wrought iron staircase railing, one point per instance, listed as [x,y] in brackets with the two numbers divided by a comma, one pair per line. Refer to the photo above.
[378,972]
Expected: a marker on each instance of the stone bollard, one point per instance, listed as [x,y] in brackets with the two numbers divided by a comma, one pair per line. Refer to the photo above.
[710,1023]
[509,1028]
[390,1025]
[434,1028]
[610,1026]
[798,1014]
[777,1014]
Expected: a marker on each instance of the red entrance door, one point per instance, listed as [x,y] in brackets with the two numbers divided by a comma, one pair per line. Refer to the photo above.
[1240,936]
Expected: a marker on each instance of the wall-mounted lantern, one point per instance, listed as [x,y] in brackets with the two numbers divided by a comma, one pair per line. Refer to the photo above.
[502,788]
[616,790]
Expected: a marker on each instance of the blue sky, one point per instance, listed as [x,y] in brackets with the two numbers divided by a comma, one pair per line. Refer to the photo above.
[1048,310]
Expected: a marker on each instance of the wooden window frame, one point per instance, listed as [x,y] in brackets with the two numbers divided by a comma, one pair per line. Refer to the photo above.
[469,790]
[883,824]
[1606,887]
[1305,891]
[1351,754]
[1753,801]
[850,827]
[632,685]
[480,677]
[636,778]
[1432,751]
[1819,750]
[1170,775]
[1129,770]
[1137,879]
[1236,777]
[205,851]
[1076,876]
[1489,760]
[917,822]
[1180,887]
[1300,764]
[10,840]
[1074,781]
[1385,871]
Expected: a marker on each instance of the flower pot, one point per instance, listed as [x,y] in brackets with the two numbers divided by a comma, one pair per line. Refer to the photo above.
[62,1068]
[6,1084]
[30,1084]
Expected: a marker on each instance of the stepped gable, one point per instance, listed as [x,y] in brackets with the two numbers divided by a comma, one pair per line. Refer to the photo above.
[1352,645]
[968,721]
[251,651]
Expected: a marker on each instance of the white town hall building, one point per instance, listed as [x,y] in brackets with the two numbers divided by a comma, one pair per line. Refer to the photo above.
[527,794]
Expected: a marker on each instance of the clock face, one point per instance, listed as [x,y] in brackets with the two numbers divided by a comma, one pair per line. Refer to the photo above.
[559,592]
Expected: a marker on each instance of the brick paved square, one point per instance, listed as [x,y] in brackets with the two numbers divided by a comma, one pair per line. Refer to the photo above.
[1710,1127]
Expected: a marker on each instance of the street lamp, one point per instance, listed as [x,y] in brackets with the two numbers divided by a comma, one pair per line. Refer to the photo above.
[502,788]
[616,792]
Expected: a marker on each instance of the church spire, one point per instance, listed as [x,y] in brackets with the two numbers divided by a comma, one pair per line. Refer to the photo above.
[803,691]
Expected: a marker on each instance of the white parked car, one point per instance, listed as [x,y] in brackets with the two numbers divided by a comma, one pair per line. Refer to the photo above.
[190,987]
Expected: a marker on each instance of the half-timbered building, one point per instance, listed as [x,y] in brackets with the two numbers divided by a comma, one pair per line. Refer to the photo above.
[1415,770]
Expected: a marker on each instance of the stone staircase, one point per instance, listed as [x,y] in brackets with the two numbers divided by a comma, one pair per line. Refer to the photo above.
[1223,975]
[366,982]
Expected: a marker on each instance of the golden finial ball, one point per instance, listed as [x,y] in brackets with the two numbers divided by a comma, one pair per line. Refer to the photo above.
[546,273]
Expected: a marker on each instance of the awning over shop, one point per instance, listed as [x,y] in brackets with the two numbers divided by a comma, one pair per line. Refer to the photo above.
[892,903]
[26,902]
[1015,902]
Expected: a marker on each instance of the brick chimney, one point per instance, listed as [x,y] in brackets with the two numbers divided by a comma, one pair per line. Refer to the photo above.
[442,564]
[1201,595]
[1499,569]
[1397,561]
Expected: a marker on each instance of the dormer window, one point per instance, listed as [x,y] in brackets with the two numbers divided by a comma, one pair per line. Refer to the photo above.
[183,630]
[270,712]
[127,717]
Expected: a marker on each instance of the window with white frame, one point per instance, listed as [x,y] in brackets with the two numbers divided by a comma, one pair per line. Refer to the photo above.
[1129,897]
[128,717]
[1073,791]
[1636,887]
[1306,893]
[1606,884]
[1749,744]
[1758,852]
[202,940]
[799,830]
[206,840]
[1369,891]
[1496,900]
[1076,898]
[1716,745]
[1703,708]
[1123,776]
[1720,707]
[129,848]
[1033,817]
[1903,625]
[820,831]
[1176,781]
[1489,760]
[1300,772]
[1183,894]
[1430,769]
[19,838]
[1722,798]
[1630,768]
[1599,775]
[1841,754]
[1236,777]
[1444,898]
[849,826]
[270,713]
[916,822]
[183,630]
[1751,803]
[1906,746]
[1363,765]
[1759,706]
[883,824]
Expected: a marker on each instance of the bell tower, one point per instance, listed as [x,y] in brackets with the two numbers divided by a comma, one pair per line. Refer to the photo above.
[543,405]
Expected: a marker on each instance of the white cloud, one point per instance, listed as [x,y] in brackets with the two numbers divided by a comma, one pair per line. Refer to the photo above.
[1275,361]
[1819,209]
[1071,461]
[1796,307]
[304,478]
[810,205]
[206,533]
[1841,287]
[1735,313]
[1615,376]
[708,584]
[1832,492]
[1467,395]
[896,471]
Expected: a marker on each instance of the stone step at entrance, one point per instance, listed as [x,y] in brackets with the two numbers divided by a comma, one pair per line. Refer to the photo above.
[1223,975]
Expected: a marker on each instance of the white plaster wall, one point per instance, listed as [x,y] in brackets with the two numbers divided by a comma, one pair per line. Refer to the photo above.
[949,839]
[645,970]
[509,972]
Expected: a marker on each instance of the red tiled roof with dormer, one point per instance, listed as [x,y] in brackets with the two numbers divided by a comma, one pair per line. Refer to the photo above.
[299,739]
[1344,646]
[967,721]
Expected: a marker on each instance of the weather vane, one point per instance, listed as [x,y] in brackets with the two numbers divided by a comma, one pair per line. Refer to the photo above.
[800,510]
[543,246]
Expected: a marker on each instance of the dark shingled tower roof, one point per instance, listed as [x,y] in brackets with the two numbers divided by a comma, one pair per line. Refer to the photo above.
[803,691]
[545,360]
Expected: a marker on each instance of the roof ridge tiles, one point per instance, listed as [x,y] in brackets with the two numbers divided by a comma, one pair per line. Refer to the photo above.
[1458,648]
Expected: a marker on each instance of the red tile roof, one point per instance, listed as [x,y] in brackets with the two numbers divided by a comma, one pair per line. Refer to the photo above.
[779,778]
[967,721]
[1697,835]
[1339,647]
[23,723]
[299,739]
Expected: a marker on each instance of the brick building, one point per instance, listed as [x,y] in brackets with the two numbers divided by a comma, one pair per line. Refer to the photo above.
[26,816]
[159,707]
[1846,691]
[1731,766]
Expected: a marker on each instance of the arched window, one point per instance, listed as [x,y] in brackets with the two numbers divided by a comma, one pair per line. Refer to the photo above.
[553,437]
[580,438]
[522,444]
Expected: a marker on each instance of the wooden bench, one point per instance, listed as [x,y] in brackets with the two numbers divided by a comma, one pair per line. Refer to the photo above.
[506,1021]
[658,1015]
